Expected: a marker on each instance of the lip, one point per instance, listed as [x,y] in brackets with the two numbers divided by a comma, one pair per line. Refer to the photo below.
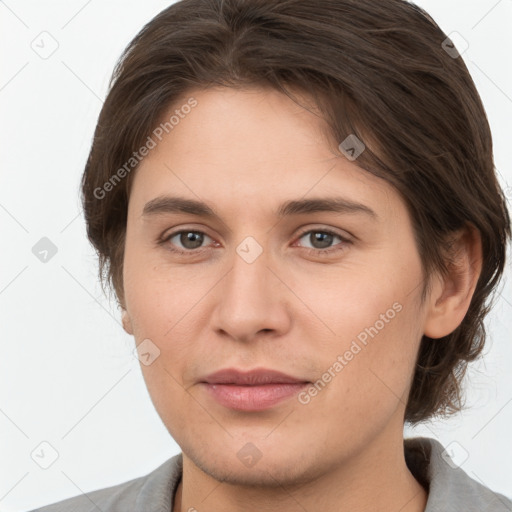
[251,377]
[255,390]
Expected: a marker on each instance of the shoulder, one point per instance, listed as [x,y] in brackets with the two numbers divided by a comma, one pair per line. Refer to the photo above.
[450,488]
[151,492]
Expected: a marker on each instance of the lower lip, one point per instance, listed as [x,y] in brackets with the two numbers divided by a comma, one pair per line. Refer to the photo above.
[252,398]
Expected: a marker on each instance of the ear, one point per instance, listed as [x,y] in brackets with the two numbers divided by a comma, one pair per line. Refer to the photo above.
[127,323]
[451,295]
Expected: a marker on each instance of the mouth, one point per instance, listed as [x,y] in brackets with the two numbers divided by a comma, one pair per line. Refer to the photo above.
[255,390]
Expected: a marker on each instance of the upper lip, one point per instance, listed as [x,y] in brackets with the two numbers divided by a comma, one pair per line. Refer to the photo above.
[252,377]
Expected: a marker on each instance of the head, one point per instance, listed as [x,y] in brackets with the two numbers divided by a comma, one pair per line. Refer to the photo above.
[248,107]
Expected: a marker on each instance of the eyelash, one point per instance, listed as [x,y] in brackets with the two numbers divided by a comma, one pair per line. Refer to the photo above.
[311,251]
[330,250]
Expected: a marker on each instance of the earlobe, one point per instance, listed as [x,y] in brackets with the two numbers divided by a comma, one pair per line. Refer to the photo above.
[127,323]
[451,296]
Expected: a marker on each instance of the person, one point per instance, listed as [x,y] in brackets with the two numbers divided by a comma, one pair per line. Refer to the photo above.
[296,205]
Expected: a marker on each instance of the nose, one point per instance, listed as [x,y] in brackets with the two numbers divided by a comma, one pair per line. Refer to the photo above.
[252,300]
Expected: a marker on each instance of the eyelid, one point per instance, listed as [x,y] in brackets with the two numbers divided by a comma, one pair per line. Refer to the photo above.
[167,235]
[170,232]
[343,234]
[345,237]
[334,250]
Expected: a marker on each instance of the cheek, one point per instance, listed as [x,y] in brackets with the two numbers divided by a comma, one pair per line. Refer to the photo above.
[352,302]
[371,327]
[165,311]
[370,391]
[377,379]
[167,306]
[160,297]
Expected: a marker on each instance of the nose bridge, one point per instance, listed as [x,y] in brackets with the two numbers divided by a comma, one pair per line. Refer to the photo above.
[249,299]
[249,275]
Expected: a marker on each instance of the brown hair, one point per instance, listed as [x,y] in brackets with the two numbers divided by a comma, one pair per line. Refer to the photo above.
[375,69]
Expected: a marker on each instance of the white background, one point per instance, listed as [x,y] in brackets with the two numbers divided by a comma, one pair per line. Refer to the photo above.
[68,373]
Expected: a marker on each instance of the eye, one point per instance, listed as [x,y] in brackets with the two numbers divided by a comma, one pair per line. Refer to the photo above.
[190,240]
[321,241]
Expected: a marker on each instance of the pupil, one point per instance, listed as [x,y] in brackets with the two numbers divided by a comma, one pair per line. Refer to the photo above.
[324,238]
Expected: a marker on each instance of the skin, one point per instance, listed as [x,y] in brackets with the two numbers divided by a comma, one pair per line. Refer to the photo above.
[244,153]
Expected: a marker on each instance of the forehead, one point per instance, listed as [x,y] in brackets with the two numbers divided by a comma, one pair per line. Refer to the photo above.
[251,149]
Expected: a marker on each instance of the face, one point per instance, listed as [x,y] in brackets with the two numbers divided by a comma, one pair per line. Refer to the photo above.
[330,297]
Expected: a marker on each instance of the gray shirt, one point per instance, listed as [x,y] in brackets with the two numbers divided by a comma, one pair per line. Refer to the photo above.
[450,489]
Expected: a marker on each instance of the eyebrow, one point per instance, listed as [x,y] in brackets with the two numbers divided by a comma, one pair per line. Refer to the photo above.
[172,204]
